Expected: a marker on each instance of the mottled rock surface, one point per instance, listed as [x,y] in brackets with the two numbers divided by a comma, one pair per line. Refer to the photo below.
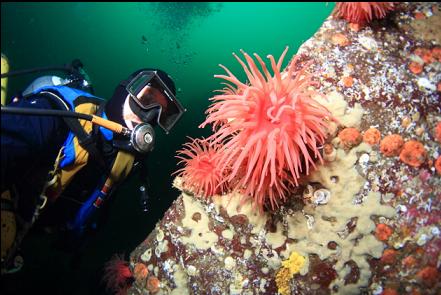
[366,223]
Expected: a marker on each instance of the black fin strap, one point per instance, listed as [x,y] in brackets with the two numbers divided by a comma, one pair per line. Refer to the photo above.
[7,205]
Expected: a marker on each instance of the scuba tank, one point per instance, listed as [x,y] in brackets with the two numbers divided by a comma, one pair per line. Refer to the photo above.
[76,77]
[8,223]
[44,81]
[5,69]
[13,229]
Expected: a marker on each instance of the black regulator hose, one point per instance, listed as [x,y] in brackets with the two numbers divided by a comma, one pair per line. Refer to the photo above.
[45,112]
[74,67]
[113,126]
[142,137]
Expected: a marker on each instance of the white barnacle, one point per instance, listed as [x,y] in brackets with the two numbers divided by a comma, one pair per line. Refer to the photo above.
[401,208]
[310,221]
[321,196]
[160,236]
[428,206]
[146,255]
[219,218]
[422,240]
[192,270]
[229,263]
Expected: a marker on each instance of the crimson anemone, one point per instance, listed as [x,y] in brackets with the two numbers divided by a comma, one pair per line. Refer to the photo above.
[362,12]
[269,128]
[117,275]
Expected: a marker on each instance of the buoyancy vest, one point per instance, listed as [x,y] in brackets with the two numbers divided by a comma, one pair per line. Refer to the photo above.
[76,152]
[74,155]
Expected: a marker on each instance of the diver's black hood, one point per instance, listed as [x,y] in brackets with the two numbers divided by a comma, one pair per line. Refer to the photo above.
[114,107]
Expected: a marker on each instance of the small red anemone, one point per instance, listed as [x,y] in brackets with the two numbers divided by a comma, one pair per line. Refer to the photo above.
[201,173]
[117,275]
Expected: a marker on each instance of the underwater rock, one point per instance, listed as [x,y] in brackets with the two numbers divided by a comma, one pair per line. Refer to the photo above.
[377,229]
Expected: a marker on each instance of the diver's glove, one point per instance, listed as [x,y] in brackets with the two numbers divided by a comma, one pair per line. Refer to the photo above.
[86,214]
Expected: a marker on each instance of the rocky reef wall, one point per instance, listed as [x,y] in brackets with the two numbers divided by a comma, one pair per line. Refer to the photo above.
[367,220]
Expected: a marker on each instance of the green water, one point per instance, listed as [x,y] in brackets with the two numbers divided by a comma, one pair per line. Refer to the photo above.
[187,40]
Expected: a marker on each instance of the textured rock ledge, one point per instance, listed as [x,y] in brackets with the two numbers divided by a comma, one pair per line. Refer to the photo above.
[370,223]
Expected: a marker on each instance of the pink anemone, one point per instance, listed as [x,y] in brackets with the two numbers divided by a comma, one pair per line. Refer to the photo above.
[201,173]
[270,128]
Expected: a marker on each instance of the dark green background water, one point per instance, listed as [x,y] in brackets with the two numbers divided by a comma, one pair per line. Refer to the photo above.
[187,40]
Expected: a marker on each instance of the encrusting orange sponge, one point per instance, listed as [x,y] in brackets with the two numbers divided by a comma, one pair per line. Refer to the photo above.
[413,153]
[391,145]
[350,137]
[372,136]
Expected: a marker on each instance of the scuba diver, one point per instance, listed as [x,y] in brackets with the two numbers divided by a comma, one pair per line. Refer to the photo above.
[64,151]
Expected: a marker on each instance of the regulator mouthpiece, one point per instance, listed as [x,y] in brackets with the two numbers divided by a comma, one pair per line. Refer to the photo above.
[142,138]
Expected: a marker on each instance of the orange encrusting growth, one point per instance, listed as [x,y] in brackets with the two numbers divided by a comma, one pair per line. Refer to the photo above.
[438,165]
[350,137]
[340,39]
[429,275]
[436,53]
[438,132]
[348,81]
[391,145]
[416,68]
[409,261]
[419,15]
[389,256]
[383,232]
[372,136]
[413,153]
[153,284]
[426,56]
[140,271]
[389,291]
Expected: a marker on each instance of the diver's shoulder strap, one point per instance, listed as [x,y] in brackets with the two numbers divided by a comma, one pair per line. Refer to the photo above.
[122,166]
[85,140]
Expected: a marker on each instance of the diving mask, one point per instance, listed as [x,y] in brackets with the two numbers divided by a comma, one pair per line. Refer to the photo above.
[148,91]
